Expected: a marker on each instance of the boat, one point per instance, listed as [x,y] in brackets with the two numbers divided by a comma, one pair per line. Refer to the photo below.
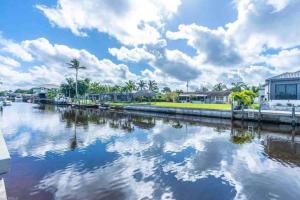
[18,98]
[7,103]
[103,106]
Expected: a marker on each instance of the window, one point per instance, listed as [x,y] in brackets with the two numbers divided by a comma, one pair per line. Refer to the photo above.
[286,91]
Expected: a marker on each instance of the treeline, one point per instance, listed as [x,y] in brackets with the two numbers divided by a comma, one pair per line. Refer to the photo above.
[87,86]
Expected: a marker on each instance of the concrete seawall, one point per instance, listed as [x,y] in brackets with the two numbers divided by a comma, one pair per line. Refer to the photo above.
[4,166]
[249,115]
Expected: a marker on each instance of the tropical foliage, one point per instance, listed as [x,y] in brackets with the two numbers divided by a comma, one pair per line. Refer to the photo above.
[75,64]
[243,98]
[219,87]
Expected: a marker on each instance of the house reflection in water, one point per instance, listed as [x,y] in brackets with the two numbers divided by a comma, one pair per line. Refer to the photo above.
[282,149]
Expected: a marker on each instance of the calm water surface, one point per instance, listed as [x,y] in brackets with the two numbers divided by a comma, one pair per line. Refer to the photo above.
[64,154]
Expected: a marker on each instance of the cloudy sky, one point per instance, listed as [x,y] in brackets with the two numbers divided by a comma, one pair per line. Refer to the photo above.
[170,41]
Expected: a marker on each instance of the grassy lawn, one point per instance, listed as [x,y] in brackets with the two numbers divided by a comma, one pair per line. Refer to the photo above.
[171,104]
[193,105]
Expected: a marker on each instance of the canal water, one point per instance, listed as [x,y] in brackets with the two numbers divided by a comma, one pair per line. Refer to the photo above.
[65,154]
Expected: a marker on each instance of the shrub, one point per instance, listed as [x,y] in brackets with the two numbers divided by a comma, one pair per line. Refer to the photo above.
[243,98]
[171,96]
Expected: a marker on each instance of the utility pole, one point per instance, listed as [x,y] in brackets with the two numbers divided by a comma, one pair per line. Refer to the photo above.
[187,86]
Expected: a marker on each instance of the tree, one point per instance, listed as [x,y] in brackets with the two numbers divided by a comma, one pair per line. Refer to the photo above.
[83,86]
[70,84]
[130,86]
[171,96]
[179,91]
[243,98]
[141,85]
[152,86]
[202,89]
[255,89]
[52,93]
[116,88]
[220,87]
[166,89]
[75,64]
[238,86]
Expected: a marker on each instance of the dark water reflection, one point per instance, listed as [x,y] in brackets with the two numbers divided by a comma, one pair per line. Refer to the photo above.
[64,154]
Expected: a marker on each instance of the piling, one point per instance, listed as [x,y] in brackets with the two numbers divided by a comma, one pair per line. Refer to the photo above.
[293,116]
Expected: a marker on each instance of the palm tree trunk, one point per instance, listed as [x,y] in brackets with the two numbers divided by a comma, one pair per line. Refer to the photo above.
[76,84]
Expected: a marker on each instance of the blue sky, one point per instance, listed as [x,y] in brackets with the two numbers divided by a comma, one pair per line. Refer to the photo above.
[170,41]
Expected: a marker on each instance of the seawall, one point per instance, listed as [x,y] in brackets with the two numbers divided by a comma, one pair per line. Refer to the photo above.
[248,115]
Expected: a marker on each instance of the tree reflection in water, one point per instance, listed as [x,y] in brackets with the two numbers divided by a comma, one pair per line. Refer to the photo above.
[241,136]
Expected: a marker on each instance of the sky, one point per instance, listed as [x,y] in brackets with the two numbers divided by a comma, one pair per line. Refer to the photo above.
[170,41]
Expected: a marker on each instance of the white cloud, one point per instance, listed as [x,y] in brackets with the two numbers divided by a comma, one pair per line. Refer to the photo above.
[266,24]
[212,45]
[134,55]
[15,49]
[49,66]
[284,60]
[131,22]
[9,61]
[244,45]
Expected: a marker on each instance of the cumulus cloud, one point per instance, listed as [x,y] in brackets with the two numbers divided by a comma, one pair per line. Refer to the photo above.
[15,49]
[48,65]
[134,55]
[284,60]
[212,45]
[266,24]
[242,49]
[9,61]
[131,22]
[177,64]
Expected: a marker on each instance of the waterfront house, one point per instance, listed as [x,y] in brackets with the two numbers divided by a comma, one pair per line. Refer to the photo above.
[111,96]
[121,96]
[40,92]
[283,89]
[205,97]
[43,89]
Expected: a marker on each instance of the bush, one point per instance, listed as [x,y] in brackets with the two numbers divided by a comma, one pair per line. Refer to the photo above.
[243,98]
[171,96]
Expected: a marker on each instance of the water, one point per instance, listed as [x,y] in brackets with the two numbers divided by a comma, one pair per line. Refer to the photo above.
[64,154]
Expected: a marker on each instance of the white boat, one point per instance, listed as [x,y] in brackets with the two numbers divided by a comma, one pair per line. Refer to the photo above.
[18,99]
[7,103]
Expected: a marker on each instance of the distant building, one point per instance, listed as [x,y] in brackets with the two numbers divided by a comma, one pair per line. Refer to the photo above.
[111,96]
[121,96]
[40,92]
[205,97]
[283,89]
[44,88]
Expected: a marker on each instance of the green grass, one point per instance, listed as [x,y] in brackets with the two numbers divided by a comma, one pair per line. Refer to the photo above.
[177,105]
[255,106]
[171,104]
[193,105]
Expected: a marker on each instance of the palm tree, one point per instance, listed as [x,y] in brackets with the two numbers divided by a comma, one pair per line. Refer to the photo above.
[238,86]
[152,85]
[130,85]
[116,88]
[70,83]
[75,64]
[219,87]
[166,89]
[141,85]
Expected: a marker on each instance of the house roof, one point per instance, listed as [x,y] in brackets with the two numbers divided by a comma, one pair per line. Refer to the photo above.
[205,94]
[287,75]
[47,86]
